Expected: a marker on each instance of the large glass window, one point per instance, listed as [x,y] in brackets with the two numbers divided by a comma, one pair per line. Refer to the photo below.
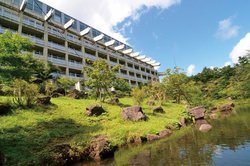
[74,26]
[38,7]
[17,2]
[58,16]
[30,4]
[106,39]
[83,26]
[66,18]
[95,33]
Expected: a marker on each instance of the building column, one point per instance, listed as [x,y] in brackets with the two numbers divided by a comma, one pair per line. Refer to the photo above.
[45,39]
[66,55]
[20,25]
[83,56]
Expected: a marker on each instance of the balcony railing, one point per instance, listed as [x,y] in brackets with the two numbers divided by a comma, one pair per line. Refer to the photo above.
[7,14]
[56,46]
[55,32]
[57,60]
[71,38]
[58,74]
[89,45]
[74,51]
[77,65]
[123,75]
[32,23]
[3,29]
[34,39]
[113,63]
[39,56]
[89,56]
[75,76]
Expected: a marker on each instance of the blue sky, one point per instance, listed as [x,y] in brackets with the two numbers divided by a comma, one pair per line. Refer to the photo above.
[187,33]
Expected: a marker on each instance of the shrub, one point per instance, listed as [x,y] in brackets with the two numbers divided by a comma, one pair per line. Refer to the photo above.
[24,93]
[138,95]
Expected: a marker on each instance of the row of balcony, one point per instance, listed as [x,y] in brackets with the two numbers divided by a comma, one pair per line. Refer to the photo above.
[8,14]
[32,23]
[3,29]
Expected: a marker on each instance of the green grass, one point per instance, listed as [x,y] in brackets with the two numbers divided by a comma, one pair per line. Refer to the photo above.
[25,134]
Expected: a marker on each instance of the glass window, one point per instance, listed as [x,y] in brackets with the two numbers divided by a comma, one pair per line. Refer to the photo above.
[83,26]
[38,7]
[30,4]
[106,39]
[17,2]
[74,26]
[95,33]
[57,16]
[66,18]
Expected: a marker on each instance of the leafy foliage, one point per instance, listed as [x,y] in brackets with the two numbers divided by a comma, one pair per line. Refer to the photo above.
[121,85]
[139,95]
[65,82]
[101,77]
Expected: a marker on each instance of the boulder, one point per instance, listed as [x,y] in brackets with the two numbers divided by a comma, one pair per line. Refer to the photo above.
[205,127]
[153,137]
[55,95]
[158,109]
[227,107]
[94,110]
[43,100]
[4,108]
[99,147]
[73,95]
[183,122]
[3,160]
[114,100]
[165,133]
[64,154]
[198,112]
[150,103]
[133,113]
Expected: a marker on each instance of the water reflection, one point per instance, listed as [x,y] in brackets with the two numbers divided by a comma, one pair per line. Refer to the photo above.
[228,143]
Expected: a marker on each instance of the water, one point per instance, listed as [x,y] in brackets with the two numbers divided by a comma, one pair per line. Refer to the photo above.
[228,143]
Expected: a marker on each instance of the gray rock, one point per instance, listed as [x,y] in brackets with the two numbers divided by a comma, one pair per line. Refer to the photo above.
[205,127]
[152,137]
[183,122]
[198,112]
[43,100]
[99,147]
[165,133]
[150,103]
[133,113]
[94,110]
[158,109]
[227,107]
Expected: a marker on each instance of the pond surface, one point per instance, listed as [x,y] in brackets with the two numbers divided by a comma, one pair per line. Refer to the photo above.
[228,143]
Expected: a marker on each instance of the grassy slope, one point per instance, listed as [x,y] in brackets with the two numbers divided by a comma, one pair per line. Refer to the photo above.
[25,134]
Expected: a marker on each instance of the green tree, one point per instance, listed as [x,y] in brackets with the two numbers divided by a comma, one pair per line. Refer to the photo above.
[121,85]
[65,83]
[139,95]
[100,77]
[16,59]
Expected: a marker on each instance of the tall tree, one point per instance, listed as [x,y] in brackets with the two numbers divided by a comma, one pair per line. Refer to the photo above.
[16,59]
[100,77]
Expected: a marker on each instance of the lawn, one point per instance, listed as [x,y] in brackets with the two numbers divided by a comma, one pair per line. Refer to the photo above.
[25,134]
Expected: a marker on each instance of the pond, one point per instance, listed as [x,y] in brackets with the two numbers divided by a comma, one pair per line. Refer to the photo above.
[228,143]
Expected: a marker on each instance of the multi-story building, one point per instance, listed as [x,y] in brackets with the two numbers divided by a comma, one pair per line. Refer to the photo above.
[68,42]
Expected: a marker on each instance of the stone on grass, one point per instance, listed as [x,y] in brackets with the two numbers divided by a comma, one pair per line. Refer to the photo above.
[227,107]
[100,147]
[165,133]
[198,112]
[153,137]
[133,113]
[4,108]
[60,90]
[94,110]
[73,95]
[150,103]
[43,100]
[214,116]
[158,109]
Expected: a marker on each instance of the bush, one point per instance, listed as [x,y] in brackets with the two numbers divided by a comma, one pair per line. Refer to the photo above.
[24,93]
[139,95]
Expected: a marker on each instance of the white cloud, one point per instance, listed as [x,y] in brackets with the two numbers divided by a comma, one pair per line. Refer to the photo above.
[226,30]
[105,15]
[227,64]
[241,49]
[190,70]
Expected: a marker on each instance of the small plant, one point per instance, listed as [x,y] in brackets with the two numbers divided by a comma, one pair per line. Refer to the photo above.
[139,95]
[24,93]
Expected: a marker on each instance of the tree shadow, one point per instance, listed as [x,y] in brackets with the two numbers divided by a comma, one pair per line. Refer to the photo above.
[22,145]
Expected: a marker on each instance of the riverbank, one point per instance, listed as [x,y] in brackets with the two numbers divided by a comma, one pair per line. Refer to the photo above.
[28,134]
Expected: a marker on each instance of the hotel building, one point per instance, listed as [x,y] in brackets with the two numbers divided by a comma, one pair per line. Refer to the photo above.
[68,42]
